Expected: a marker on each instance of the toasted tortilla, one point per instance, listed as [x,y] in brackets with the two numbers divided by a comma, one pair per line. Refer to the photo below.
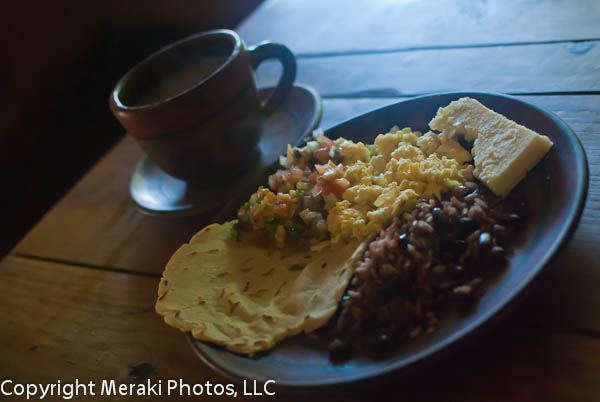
[247,297]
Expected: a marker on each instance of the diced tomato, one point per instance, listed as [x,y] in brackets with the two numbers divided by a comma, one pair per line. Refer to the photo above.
[337,187]
[273,181]
[284,180]
[256,218]
[326,190]
[269,196]
[321,154]
[283,210]
[324,141]
[296,174]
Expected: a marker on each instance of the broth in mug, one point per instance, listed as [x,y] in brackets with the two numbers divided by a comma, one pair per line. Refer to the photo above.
[177,81]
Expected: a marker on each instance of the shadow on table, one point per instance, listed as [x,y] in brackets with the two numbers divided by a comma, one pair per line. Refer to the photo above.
[64,59]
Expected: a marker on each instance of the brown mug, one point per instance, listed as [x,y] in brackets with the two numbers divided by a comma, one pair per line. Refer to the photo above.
[194,108]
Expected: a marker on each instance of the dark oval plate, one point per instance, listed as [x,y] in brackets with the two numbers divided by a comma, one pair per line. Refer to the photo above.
[556,189]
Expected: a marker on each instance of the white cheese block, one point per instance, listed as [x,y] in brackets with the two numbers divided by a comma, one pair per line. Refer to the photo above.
[504,151]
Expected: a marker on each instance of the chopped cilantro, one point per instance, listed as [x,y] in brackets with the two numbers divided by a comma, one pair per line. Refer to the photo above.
[336,155]
[301,185]
[296,267]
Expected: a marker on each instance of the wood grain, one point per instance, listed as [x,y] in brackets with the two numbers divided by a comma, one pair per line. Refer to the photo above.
[65,322]
[315,26]
[548,68]
[97,223]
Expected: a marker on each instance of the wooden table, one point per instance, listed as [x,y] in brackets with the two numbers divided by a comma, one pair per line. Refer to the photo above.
[78,292]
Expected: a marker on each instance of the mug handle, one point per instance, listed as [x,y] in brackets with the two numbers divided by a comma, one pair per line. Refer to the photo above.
[271,50]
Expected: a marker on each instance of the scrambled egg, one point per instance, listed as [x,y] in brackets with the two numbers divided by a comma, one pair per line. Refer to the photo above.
[389,178]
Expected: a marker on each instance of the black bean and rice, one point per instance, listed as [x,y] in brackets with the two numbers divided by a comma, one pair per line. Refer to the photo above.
[432,257]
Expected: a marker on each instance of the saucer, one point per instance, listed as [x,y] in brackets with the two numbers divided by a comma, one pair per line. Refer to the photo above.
[155,192]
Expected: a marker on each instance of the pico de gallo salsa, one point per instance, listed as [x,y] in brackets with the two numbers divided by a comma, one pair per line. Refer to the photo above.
[293,205]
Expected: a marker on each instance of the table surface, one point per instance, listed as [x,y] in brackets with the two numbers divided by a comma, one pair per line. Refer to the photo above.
[78,292]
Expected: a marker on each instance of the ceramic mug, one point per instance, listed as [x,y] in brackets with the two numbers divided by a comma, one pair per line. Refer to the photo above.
[194,108]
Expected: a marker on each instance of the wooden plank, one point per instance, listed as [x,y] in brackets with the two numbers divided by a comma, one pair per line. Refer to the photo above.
[64,322]
[97,224]
[547,68]
[384,24]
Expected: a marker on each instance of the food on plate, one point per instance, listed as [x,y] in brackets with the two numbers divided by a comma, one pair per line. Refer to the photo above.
[400,228]
[246,297]
[504,151]
[330,191]
[437,254]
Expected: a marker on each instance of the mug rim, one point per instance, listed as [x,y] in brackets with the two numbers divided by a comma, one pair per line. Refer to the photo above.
[232,36]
